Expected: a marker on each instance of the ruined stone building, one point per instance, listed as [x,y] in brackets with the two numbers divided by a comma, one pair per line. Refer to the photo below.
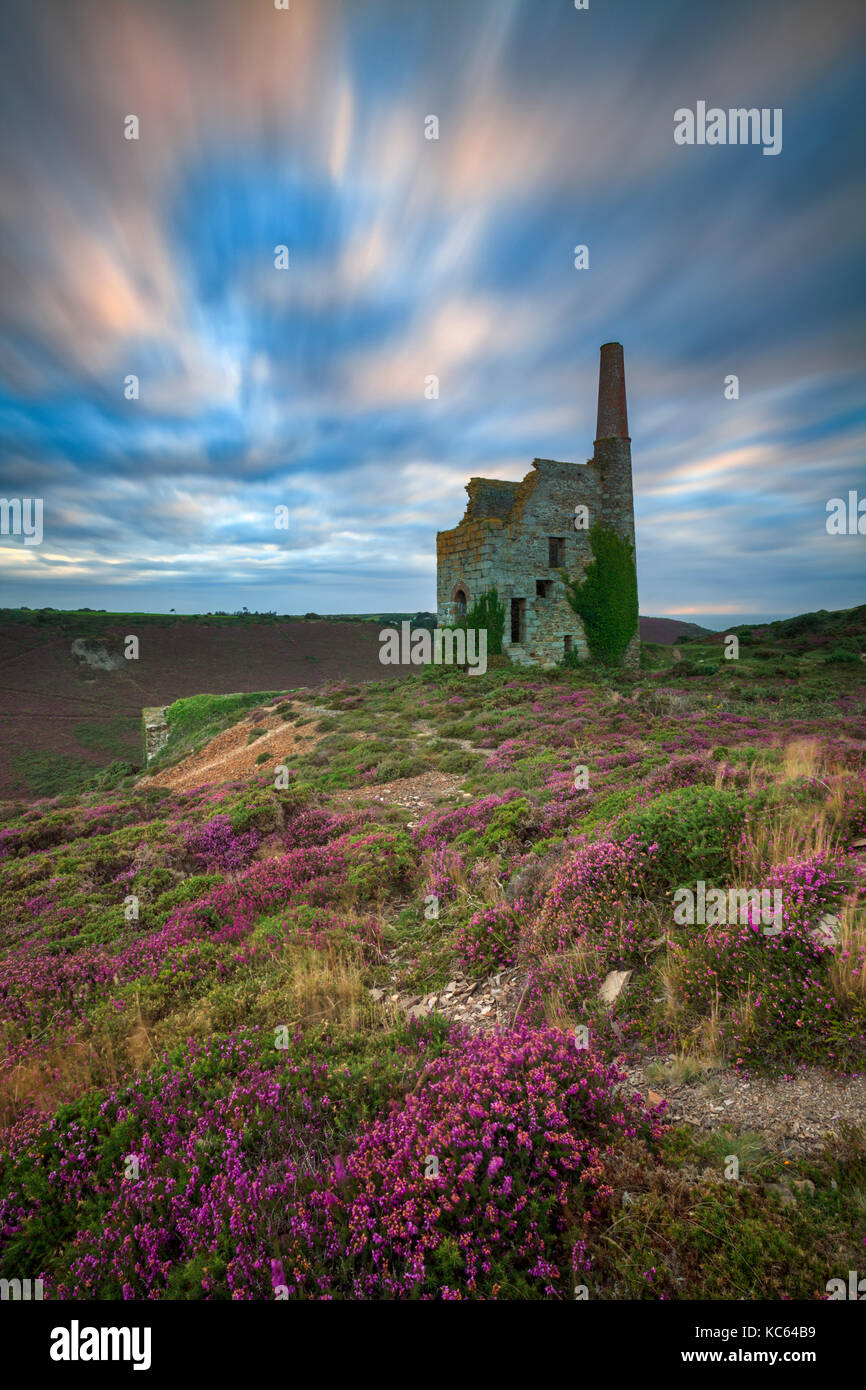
[515,537]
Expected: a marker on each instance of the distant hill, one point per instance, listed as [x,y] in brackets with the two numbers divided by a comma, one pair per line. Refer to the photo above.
[71,702]
[667,631]
[843,626]
[795,649]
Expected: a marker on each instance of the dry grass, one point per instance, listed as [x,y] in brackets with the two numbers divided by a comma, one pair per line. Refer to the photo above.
[670,978]
[326,985]
[685,1066]
[57,1076]
[486,888]
[701,1042]
[801,758]
[794,831]
[299,987]
[710,1031]
[570,968]
[848,970]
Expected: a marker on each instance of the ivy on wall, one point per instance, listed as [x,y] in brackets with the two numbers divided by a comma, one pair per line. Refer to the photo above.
[605,599]
[487,611]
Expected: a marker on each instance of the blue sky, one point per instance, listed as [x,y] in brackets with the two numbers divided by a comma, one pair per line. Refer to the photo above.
[409,258]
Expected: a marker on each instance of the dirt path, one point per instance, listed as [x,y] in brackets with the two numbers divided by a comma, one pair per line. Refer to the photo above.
[420,794]
[230,755]
[794,1113]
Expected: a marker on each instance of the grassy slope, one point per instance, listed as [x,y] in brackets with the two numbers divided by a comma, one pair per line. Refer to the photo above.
[728,768]
[62,720]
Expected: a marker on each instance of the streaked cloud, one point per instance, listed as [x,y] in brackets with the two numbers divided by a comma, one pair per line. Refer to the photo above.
[412,258]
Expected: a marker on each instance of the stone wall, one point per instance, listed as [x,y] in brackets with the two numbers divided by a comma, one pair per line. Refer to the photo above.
[612,458]
[489,497]
[512,556]
[154,730]
[465,559]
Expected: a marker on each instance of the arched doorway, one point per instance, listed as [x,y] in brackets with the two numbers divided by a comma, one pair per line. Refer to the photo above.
[459,599]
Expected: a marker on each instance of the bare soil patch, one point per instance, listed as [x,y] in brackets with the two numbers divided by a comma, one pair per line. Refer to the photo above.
[422,793]
[231,756]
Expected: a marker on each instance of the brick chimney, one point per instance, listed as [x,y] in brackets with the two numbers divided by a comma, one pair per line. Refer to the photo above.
[612,415]
[612,458]
[612,452]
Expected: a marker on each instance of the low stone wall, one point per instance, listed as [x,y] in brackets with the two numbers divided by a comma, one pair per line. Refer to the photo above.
[154,725]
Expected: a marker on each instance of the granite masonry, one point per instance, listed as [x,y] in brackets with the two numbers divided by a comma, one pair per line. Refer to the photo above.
[515,537]
[155,730]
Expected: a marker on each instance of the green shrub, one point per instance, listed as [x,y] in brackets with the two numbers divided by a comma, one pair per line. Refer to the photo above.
[379,864]
[196,886]
[487,612]
[257,810]
[396,767]
[459,760]
[507,825]
[605,599]
[609,806]
[116,774]
[696,829]
[152,883]
[841,655]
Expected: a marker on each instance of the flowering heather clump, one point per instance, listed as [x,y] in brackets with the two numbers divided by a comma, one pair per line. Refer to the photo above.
[491,936]
[809,886]
[10,838]
[773,994]
[468,1183]
[216,845]
[687,771]
[221,1141]
[444,827]
[320,927]
[564,809]
[597,883]
[853,811]
[446,865]
[316,826]
[774,991]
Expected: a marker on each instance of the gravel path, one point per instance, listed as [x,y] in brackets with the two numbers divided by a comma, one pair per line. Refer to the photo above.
[794,1113]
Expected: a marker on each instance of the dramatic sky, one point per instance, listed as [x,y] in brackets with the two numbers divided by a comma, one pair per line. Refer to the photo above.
[411,257]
